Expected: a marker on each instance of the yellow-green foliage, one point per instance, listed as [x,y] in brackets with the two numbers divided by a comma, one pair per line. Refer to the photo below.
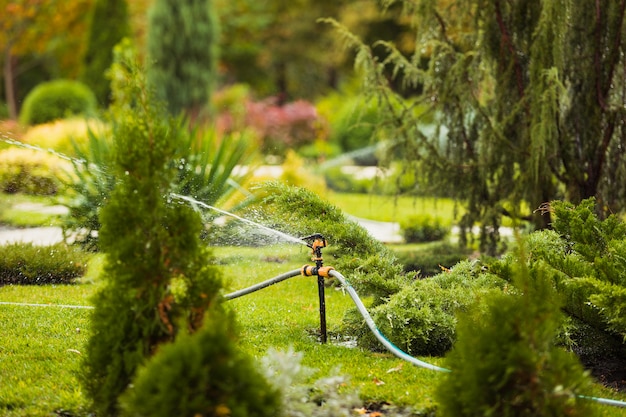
[58,135]
[295,174]
[28,171]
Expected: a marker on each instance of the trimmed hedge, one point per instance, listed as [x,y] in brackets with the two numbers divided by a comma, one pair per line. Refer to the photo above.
[424,228]
[57,100]
[27,264]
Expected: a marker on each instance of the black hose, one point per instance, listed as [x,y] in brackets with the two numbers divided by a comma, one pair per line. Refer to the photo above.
[263,284]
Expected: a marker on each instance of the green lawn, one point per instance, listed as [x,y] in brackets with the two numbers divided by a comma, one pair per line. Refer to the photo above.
[40,347]
[389,208]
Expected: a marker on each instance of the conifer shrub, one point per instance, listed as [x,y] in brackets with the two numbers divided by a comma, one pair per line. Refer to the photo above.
[421,317]
[57,100]
[186,83]
[373,270]
[371,267]
[203,374]
[27,264]
[584,257]
[505,361]
[108,25]
[159,277]
[29,172]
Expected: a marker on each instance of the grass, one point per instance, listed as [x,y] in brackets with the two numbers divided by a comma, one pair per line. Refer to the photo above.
[396,209]
[40,346]
[39,359]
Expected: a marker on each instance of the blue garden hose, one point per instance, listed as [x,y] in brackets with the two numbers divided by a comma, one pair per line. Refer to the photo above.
[372,325]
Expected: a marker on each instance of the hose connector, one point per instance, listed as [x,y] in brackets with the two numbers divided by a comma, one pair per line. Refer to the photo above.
[309,271]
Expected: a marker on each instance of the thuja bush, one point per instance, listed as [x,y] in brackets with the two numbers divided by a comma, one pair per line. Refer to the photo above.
[158,275]
[27,264]
[202,374]
[505,361]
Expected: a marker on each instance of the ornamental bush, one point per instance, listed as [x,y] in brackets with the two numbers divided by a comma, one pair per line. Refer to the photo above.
[27,264]
[57,100]
[373,267]
[29,172]
[585,258]
[505,361]
[159,279]
[203,374]
[423,228]
[421,317]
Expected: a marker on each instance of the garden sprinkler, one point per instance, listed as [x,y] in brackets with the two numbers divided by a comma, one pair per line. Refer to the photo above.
[316,242]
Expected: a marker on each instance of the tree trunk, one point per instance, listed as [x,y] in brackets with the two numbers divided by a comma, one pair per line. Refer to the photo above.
[9,82]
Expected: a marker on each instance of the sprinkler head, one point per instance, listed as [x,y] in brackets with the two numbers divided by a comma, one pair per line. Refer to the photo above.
[317,243]
[316,240]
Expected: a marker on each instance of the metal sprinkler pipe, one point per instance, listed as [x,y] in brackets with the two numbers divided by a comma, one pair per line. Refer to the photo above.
[317,242]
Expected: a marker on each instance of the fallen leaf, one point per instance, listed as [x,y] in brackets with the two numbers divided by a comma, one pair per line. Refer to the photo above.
[396,369]
[378,381]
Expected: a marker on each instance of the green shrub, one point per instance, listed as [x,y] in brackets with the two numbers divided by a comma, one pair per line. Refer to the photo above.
[29,172]
[374,269]
[505,361]
[421,317]
[423,228]
[585,257]
[108,25]
[159,278]
[27,264]
[203,374]
[430,259]
[57,100]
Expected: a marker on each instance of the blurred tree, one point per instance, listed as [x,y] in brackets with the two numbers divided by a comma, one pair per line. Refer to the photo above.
[183,52]
[108,25]
[529,97]
[39,33]
[280,48]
